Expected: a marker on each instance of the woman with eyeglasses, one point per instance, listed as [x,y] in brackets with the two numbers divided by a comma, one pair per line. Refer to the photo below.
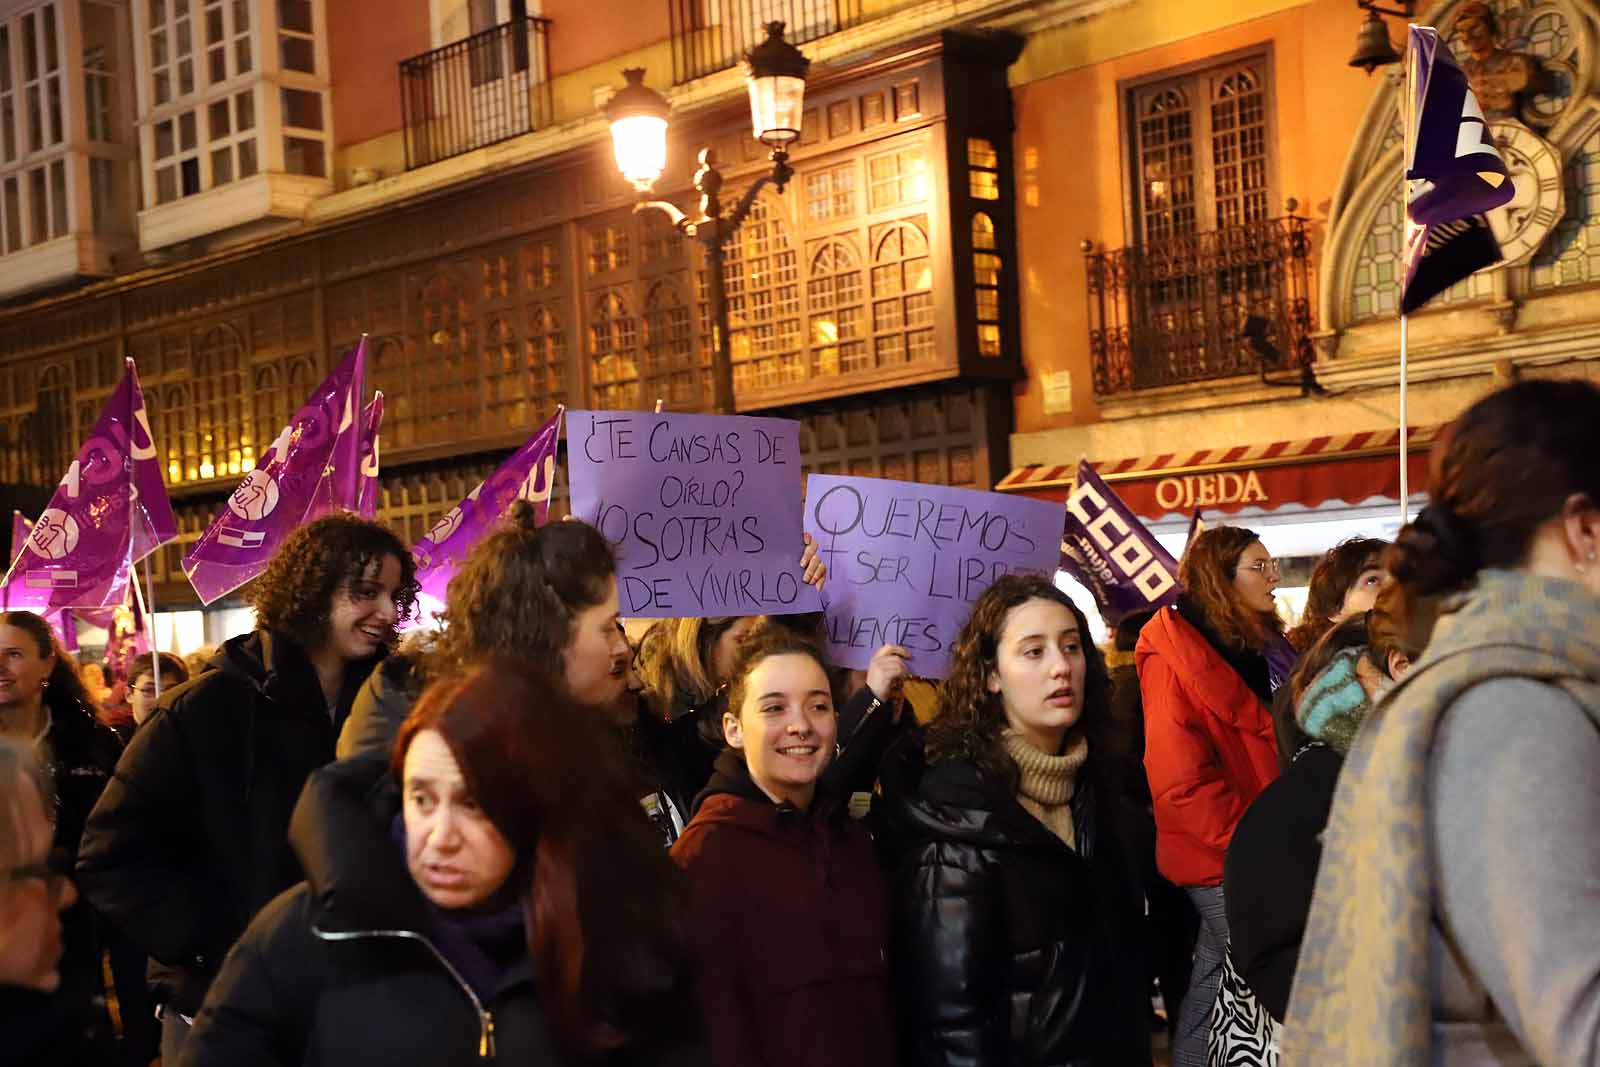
[1207,671]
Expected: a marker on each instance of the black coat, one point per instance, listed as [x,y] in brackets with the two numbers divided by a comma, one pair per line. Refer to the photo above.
[1271,870]
[346,968]
[189,840]
[1012,947]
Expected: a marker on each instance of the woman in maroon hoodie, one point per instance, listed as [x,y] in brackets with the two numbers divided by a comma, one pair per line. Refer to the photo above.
[789,911]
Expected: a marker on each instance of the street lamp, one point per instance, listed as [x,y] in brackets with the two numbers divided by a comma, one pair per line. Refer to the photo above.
[775,73]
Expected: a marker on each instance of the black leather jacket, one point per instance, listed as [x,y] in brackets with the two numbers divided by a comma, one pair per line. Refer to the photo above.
[1014,948]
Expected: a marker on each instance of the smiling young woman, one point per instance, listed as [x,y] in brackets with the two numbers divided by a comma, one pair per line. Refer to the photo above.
[788,910]
[1015,904]
[189,839]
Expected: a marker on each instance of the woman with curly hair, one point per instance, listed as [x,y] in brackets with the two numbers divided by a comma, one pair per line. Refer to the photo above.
[188,840]
[1016,904]
[1207,671]
[1345,582]
[545,595]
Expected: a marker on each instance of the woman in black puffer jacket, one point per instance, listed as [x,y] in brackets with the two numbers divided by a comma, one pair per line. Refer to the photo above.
[1017,928]
[496,895]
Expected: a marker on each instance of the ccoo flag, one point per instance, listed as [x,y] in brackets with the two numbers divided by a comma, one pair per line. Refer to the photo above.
[528,475]
[310,470]
[1453,174]
[109,512]
[61,621]
[367,491]
[1106,548]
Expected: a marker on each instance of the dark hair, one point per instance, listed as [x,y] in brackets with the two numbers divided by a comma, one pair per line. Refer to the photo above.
[1350,633]
[1126,637]
[1399,622]
[1504,468]
[171,666]
[64,689]
[1206,574]
[602,902]
[766,641]
[294,595]
[971,719]
[519,590]
[1336,573]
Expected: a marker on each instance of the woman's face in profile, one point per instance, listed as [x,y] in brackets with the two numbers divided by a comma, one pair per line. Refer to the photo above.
[457,857]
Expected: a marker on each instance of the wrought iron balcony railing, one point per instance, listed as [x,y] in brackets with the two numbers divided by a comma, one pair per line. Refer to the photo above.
[713,35]
[1195,307]
[476,91]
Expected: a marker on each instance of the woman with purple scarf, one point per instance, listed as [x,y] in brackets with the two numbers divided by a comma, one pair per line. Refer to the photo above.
[440,919]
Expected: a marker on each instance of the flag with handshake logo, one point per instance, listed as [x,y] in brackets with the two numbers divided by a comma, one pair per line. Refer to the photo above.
[109,512]
[311,469]
[529,474]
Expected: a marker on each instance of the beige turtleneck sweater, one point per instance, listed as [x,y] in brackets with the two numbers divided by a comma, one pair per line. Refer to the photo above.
[1047,782]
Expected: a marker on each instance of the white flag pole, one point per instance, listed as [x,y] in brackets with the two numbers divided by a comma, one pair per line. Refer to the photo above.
[1408,124]
[149,619]
[1405,462]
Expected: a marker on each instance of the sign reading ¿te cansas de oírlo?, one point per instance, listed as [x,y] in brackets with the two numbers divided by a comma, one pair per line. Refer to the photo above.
[702,510]
[906,561]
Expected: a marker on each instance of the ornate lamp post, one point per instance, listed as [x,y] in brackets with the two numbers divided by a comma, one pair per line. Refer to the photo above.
[775,72]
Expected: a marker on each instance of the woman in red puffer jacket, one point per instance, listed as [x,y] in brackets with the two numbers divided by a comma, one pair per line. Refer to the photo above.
[1207,669]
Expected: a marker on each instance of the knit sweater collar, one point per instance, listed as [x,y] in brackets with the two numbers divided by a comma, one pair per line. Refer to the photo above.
[1045,779]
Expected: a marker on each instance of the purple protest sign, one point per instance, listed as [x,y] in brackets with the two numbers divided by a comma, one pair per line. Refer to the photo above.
[109,512]
[1106,547]
[702,510]
[293,482]
[528,475]
[906,561]
[367,494]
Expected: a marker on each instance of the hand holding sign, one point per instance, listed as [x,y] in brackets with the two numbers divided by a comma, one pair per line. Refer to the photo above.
[908,560]
[701,510]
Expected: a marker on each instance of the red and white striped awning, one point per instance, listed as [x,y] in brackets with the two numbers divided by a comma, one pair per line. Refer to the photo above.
[1349,467]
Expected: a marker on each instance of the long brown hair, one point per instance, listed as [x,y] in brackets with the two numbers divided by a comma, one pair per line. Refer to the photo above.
[1509,464]
[675,662]
[971,719]
[603,903]
[1206,574]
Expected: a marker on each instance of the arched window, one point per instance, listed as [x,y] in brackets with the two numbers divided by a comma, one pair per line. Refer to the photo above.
[218,412]
[1239,148]
[504,383]
[546,354]
[838,319]
[1166,165]
[986,264]
[902,295]
[612,339]
[669,366]
[763,285]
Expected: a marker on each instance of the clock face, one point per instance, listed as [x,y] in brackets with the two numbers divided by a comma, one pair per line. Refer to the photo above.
[1539,202]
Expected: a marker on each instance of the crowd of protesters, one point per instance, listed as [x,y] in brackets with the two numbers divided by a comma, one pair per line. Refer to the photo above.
[525,840]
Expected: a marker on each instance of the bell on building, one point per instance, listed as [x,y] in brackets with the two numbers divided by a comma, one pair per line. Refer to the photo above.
[1373,49]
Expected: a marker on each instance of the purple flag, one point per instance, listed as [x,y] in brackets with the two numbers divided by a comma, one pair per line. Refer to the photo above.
[308,470]
[704,511]
[1106,548]
[528,475]
[906,561]
[60,621]
[109,512]
[367,495]
[1454,174]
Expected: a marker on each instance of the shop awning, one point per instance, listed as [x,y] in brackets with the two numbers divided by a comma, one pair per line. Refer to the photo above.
[1348,467]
